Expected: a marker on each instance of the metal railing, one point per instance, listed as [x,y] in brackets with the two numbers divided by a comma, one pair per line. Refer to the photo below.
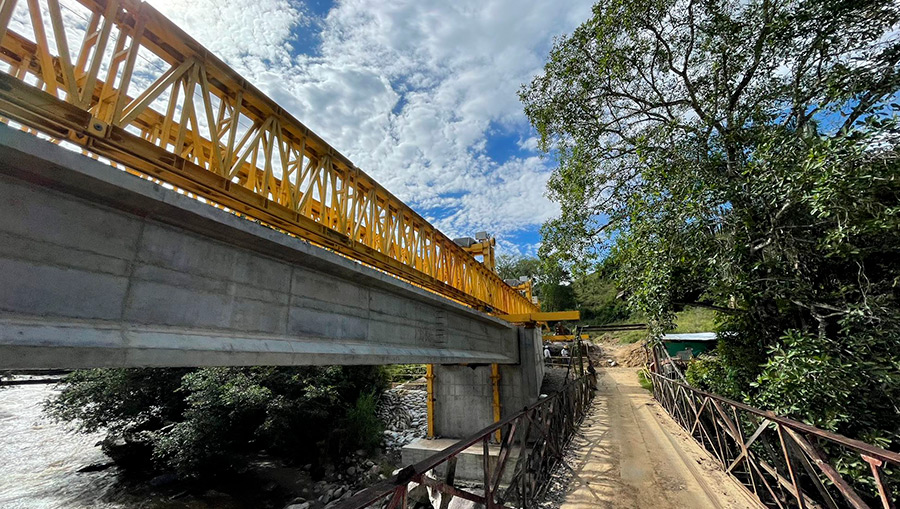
[119,81]
[539,434]
[783,462]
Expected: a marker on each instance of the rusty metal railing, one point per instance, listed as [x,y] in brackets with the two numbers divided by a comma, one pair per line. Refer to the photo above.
[783,462]
[119,81]
[539,433]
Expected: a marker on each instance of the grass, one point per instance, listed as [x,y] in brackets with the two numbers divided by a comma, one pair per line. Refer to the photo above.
[692,319]
[632,336]
[695,320]
[644,380]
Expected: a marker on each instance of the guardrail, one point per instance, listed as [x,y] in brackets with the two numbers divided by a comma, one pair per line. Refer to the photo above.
[123,83]
[783,462]
[539,432]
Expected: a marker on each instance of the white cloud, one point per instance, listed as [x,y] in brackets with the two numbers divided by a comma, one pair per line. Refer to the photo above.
[251,33]
[530,144]
[409,90]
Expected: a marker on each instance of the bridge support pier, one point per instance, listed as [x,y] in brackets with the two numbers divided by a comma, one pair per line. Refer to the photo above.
[464,402]
[464,394]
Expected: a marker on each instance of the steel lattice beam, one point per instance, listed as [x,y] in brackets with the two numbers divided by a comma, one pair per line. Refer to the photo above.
[197,125]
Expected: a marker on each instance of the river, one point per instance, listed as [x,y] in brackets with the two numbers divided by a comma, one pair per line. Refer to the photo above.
[40,458]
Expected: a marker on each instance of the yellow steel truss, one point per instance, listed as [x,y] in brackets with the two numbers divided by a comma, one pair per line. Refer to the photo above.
[199,126]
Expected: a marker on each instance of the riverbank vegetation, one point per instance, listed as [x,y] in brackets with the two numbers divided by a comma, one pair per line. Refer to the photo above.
[206,422]
[741,157]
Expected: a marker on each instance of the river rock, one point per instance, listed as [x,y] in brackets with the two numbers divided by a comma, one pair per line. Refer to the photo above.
[96,467]
[162,480]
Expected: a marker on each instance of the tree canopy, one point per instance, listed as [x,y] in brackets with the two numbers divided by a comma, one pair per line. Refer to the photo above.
[743,156]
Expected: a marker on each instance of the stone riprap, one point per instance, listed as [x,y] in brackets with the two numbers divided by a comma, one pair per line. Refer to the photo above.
[404,413]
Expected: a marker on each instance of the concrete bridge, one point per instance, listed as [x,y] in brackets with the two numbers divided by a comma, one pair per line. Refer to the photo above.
[101,268]
[198,223]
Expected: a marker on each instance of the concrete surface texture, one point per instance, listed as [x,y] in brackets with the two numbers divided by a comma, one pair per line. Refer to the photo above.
[469,463]
[99,268]
[463,395]
[629,453]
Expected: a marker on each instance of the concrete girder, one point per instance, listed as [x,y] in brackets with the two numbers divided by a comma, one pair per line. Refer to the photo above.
[99,268]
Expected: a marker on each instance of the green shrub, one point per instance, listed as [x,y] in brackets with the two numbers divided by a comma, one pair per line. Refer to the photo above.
[363,428]
[116,399]
[206,422]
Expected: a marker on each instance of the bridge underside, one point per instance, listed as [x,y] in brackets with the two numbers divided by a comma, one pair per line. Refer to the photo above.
[99,268]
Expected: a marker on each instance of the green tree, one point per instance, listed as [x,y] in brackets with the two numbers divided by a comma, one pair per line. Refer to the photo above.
[209,421]
[598,299]
[119,399]
[742,156]
[549,279]
[514,267]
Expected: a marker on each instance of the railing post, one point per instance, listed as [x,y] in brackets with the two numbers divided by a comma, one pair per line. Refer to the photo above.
[449,480]
[883,490]
[488,497]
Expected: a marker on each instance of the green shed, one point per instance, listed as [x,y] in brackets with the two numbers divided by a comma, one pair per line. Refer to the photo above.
[689,345]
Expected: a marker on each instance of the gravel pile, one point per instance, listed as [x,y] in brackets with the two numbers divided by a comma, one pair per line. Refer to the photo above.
[404,413]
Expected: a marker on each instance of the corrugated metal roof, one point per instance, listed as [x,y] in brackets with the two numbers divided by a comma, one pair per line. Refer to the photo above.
[692,336]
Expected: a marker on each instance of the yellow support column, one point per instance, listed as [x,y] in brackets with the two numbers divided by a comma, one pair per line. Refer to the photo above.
[495,381]
[429,384]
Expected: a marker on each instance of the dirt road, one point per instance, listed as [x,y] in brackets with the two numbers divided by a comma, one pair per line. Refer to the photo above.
[629,453]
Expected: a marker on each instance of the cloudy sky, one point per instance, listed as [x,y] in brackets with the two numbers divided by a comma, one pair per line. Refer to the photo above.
[420,94]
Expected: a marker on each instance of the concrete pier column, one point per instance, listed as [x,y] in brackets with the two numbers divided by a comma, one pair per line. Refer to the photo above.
[463,394]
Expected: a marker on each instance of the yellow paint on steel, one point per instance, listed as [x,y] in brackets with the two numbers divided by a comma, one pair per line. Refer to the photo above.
[526,288]
[485,249]
[192,122]
[550,316]
[495,383]
[564,337]
[429,401]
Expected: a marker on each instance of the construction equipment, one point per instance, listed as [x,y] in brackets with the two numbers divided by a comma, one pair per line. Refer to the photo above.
[128,87]
[614,327]
[481,246]
[564,337]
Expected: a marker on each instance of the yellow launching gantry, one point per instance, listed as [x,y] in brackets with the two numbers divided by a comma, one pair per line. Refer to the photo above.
[193,123]
[482,249]
[482,245]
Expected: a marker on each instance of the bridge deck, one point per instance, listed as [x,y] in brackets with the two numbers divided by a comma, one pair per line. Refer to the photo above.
[629,453]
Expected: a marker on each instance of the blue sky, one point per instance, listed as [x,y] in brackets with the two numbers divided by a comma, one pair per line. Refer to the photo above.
[420,94]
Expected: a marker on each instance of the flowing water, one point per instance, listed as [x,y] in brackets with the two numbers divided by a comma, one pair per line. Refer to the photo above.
[39,458]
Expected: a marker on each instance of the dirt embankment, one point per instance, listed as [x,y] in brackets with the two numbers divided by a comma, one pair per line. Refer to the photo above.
[608,347]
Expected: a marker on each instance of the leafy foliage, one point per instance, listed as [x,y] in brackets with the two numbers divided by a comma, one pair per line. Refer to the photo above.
[209,421]
[742,156]
[597,299]
[550,280]
[513,267]
[116,399]
[363,425]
